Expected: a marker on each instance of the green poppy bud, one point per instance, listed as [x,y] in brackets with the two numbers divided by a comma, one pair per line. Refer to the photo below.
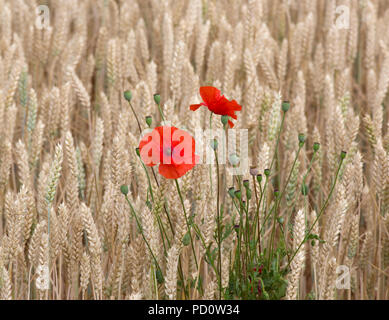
[137,152]
[224,120]
[128,95]
[259,178]
[149,121]
[343,155]
[285,106]
[316,146]
[276,193]
[157,98]
[302,138]
[267,172]
[124,189]
[238,194]
[246,183]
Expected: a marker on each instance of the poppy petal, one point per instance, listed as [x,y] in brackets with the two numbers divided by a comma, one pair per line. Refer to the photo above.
[235,106]
[171,171]
[149,148]
[210,95]
[194,107]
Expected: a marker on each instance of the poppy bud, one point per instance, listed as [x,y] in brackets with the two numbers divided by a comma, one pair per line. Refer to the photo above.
[224,120]
[231,192]
[248,194]
[259,178]
[214,144]
[128,95]
[137,152]
[267,172]
[124,189]
[149,121]
[246,183]
[316,146]
[254,171]
[238,194]
[157,98]
[276,193]
[285,106]
[302,138]
[343,155]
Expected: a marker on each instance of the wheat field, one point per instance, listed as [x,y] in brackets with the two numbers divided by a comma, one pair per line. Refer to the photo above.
[81,215]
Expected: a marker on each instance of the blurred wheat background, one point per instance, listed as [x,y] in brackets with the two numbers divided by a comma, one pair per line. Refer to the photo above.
[68,139]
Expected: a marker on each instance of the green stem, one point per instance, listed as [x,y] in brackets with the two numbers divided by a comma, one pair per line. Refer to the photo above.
[141,232]
[218,227]
[187,222]
[278,141]
[136,117]
[319,215]
[160,111]
[279,201]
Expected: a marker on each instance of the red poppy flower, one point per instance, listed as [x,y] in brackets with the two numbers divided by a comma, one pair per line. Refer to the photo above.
[217,103]
[173,149]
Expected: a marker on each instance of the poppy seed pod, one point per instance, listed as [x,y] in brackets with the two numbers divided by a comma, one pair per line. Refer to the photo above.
[149,121]
[301,138]
[285,106]
[157,98]
[124,189]
[246,183]
[128,95]
[231,192]
[224,120]
[254,171]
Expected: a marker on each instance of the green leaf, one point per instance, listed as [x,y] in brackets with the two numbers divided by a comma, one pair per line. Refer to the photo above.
[186,239]
[159,276]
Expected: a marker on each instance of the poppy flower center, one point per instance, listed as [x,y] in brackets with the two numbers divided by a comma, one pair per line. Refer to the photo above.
[168,151]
